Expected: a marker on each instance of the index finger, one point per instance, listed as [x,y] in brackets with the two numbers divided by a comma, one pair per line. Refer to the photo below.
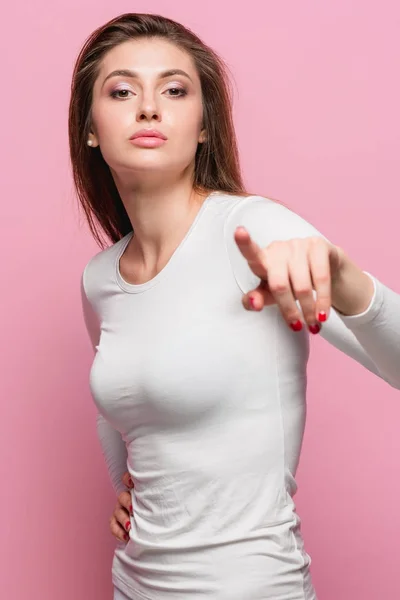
[248,247]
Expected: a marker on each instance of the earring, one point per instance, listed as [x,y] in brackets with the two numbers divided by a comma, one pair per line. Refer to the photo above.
[90,143]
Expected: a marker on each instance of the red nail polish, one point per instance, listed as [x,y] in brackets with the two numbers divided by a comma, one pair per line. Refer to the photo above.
[296,326]
[131,508]
[130,482]
[322,316]
[127,525]
[251,301]
[315,328]
[126,537]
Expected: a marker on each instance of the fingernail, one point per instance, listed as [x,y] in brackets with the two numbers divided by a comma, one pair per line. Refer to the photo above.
[131,508]
[322,316]
[251,301]
[296,325]
[130,482]
[315,328]
[126,537]
[127,525]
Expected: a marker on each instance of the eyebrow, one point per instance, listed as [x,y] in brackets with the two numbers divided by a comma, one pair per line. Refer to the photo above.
[134,74]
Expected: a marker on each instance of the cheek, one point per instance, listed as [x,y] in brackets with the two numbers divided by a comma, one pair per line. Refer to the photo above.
[194,120]
[186,130]
[183,115]
[111,121]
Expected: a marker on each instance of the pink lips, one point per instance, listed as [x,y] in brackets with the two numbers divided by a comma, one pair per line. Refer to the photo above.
[148,138]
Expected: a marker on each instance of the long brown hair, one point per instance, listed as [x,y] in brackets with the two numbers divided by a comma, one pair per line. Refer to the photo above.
[217,161]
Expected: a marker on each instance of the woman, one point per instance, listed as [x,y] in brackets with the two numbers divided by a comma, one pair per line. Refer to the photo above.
[202,401]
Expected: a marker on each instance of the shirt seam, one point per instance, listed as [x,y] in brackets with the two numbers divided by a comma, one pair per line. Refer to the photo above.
[234,207]
[283,463]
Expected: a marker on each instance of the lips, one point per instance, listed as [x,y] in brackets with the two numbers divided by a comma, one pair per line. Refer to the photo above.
[151,133]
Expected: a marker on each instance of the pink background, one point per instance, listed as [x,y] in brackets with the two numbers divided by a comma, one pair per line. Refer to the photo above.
[317,114]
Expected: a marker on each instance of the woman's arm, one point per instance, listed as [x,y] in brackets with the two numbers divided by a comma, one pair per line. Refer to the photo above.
[114,452]
[371,337]
[111,442]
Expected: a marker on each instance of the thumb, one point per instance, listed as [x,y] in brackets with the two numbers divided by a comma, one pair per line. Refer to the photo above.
[258,297]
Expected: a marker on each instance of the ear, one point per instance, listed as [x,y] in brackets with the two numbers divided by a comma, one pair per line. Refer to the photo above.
[93,139]
[202,136]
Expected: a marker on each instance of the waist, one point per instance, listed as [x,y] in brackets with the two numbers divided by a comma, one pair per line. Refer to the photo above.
[267,563]
[175,508]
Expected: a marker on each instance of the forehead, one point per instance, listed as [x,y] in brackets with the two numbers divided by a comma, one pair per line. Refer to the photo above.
[147,56]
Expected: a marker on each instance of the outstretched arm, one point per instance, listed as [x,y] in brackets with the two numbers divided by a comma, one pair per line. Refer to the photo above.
[294,266]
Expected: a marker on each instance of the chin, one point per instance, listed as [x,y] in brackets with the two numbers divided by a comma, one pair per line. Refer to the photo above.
[150,165]
[158,162]
[152,162]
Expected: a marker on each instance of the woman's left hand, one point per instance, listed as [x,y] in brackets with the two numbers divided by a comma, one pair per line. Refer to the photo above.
[289,271]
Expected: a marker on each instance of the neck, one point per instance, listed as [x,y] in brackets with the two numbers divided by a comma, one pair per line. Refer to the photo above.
[160,217]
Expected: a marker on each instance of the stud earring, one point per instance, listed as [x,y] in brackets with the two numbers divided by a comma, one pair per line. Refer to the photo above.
[90,143]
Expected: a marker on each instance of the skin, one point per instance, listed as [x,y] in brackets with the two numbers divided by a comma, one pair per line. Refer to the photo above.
[155,185]
[120,519]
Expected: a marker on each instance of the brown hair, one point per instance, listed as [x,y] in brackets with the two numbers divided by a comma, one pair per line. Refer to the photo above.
[216,162]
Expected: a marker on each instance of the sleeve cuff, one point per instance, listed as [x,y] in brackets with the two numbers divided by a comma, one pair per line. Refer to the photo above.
[371,312]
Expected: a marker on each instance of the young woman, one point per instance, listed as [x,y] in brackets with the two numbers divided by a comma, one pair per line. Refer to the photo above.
[199,312]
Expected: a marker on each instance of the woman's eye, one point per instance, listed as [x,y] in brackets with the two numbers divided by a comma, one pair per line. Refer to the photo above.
[177,92]
[124,92]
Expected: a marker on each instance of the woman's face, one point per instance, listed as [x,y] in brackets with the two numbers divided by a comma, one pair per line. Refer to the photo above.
[154,96]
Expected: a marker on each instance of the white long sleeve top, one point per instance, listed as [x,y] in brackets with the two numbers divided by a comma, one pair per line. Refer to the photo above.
[204,403]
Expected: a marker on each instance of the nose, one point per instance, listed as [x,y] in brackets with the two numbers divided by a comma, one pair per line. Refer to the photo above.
[148,109]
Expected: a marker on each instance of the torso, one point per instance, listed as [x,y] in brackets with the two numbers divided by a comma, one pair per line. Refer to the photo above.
[210,400]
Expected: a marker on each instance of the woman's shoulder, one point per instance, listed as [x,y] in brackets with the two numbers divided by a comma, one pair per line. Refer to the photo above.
[266,219]
[101,265]
[252,206]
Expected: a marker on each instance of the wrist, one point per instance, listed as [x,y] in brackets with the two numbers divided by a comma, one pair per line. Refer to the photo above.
[352,289]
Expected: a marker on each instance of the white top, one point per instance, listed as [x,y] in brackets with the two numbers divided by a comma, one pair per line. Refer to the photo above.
[204,403]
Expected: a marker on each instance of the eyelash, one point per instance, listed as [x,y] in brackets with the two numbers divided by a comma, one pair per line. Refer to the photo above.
[182,91]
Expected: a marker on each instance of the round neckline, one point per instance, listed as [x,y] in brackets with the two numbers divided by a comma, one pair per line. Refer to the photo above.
[135,288]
